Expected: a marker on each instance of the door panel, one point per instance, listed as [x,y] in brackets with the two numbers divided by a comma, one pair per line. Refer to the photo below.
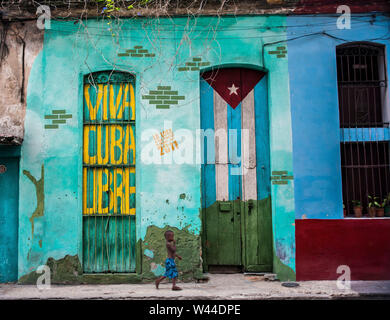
[258,220]
[223,224]
[258,236]
[109,244]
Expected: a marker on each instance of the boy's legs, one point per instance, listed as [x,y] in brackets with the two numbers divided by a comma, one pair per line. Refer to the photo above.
[158,280]
[174,286]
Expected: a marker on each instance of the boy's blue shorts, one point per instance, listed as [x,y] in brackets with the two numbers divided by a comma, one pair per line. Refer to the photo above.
[170,268]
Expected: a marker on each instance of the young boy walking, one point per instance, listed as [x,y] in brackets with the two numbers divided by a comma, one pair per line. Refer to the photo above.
[170,266]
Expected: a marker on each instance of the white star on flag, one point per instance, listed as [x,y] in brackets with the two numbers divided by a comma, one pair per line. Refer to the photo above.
[233,89]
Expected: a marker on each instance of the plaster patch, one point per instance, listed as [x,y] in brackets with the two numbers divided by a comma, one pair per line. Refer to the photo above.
[280,251]
[188,246]
[284,272]
[157,269]
[65,270]
[149,253]
[39,190]
[33,146]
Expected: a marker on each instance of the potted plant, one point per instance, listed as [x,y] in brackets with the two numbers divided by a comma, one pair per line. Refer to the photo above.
[357,208]
[344,210]
[372,205]
[380,210]
[387,206]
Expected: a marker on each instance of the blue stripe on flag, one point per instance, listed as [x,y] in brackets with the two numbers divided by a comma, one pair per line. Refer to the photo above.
[262,139]
[207,122]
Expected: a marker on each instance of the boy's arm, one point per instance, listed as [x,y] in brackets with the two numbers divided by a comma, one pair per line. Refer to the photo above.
[172,247]
[176,255]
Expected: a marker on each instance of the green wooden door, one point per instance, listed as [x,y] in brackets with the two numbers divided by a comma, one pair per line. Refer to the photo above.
[258,236]
[109,173]
[236,215]
[222,226]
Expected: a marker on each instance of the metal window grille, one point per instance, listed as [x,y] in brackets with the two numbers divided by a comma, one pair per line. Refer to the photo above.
[109,173]
[364,123]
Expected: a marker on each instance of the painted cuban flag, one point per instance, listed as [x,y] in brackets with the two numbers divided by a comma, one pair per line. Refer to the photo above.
[234,107]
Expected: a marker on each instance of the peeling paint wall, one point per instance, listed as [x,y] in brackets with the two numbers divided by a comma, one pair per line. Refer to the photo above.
[23,42]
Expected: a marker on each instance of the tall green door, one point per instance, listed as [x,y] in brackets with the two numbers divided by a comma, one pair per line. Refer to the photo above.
[109,173]
[236,215]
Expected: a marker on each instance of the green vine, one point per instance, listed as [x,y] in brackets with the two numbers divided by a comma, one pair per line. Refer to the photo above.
[111,6]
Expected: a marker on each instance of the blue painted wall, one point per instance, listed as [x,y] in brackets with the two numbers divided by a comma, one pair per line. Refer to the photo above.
[9,189]
[315,109]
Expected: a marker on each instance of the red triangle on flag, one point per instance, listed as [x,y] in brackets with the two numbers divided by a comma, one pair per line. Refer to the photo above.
[233,84]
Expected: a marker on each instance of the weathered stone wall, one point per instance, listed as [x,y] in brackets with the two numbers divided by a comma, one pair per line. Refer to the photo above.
[22,43]
[84,8]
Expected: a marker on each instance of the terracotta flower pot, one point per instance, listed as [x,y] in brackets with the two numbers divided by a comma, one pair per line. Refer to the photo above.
[380,212]
[345,212]
[371,212]
[358,212]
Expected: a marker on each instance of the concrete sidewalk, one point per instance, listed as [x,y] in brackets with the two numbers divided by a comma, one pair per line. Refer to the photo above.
[220,286]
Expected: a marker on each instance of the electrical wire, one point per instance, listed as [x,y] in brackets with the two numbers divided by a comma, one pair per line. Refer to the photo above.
[257,36]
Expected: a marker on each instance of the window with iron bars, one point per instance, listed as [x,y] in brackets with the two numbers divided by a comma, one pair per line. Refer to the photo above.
[364,125]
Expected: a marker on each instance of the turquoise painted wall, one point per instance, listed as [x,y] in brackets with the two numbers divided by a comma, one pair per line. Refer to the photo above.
[9,160]
[315,107]
[72,50]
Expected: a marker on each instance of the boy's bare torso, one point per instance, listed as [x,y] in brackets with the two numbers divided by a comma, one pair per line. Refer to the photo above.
[171,249]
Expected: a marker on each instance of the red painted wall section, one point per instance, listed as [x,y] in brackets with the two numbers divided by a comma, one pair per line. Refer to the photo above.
[323,245]
[330,6]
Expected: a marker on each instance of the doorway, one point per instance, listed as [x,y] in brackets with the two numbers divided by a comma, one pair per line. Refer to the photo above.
[9,186]
[236,202]
[109,173]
